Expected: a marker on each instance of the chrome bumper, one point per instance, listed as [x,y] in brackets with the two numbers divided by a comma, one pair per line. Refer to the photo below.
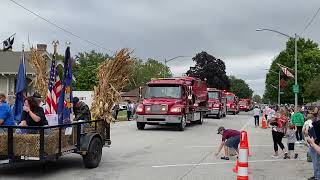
[159,119]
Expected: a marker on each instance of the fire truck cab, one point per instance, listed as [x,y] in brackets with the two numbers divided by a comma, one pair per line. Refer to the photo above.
[232,103]
[217,103]
[175,101]
[245,105]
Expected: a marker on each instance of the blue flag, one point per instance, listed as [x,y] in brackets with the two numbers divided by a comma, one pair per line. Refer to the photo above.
[20,88]
[65,100]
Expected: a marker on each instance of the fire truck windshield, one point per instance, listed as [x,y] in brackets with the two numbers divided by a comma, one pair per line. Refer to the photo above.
[173,92]
[213,95]
[230,98]
[243,103]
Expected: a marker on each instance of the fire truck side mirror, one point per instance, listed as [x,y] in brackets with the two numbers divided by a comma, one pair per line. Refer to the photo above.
[140,92]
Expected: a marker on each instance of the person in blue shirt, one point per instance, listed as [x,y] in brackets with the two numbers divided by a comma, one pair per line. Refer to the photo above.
[6,115]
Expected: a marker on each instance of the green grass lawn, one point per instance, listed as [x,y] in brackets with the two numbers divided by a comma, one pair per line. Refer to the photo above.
[122,116]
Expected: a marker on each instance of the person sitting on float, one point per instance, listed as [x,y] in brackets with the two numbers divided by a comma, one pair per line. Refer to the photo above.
[33,114]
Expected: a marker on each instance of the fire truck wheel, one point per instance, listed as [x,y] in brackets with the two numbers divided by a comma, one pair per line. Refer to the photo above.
[219,115]
[93,157]
[140,125]
[225,114]
[182,124]
[201,119]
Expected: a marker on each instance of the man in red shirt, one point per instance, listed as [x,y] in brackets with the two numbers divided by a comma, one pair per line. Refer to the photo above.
[230,139]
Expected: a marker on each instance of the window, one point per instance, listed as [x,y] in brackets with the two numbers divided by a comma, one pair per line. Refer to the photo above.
[213,95]
[163,92]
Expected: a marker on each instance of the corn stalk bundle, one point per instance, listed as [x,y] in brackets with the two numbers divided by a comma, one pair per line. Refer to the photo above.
[39,65]
[112,76]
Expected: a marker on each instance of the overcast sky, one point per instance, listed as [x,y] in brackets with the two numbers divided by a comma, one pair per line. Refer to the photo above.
[168,28]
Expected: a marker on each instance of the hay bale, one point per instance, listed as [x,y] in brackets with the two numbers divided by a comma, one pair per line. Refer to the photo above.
[112,75]
[29,144]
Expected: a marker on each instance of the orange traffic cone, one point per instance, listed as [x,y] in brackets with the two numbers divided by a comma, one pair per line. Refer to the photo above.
[243,157]
[235,169]
[264,123]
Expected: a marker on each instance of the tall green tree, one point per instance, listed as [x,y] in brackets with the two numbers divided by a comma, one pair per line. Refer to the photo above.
[210,68]
[143,72]
[85,69]
[312,90]
[257,98]
[240,87]
[308,69]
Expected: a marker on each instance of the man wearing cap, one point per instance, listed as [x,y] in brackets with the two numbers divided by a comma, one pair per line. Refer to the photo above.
[230,139]
[37,96]
[81,110]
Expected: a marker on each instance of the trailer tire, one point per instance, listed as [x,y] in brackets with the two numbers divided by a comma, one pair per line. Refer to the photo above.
[93,157]
[182,124]
[141,125]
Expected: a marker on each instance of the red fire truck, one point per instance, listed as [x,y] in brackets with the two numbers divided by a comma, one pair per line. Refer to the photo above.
[176,101]
[232,103]
[217,103]
[245,105]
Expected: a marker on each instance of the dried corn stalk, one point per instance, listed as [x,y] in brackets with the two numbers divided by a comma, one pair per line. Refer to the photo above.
[39,65]
[113,76]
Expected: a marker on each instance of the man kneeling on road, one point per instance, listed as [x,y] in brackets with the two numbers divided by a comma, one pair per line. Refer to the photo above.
[230,139]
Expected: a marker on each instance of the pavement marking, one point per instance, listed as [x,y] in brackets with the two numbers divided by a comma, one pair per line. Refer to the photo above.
[220,163]
[218,146]
[245,126]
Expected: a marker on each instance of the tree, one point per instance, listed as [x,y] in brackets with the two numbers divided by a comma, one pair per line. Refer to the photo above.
[312,90]
[257,98]
[210,68]
[308,68]
[85,68]
[143,72]
[240,88]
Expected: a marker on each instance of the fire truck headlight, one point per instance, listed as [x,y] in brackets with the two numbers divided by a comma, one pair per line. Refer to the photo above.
[175,109]
[139,108]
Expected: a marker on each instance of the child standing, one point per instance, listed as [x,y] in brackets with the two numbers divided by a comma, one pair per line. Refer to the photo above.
[291,138]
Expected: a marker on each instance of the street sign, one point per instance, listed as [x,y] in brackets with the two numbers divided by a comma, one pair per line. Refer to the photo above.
[281,92]
[295,88]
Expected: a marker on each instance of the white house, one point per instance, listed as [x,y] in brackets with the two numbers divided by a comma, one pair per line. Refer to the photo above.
[9,67]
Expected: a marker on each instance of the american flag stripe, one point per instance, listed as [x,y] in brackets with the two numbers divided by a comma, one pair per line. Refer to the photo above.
[54,90]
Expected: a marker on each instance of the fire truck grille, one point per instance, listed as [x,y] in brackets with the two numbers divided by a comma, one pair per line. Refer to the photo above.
[156,108]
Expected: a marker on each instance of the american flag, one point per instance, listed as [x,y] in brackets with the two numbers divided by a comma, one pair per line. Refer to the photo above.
[54,90]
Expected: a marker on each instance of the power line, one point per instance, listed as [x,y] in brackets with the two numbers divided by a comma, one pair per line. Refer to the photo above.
[311,20]
[61,28]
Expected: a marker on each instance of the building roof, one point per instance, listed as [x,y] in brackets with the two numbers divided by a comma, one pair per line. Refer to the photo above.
[134,92]
[10,62]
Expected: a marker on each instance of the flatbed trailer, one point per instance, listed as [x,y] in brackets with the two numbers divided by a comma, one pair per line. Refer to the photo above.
[87,139]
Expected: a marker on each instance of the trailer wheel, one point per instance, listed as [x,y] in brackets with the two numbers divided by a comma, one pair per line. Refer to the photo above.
[183,123]
[93,157]
[141,125]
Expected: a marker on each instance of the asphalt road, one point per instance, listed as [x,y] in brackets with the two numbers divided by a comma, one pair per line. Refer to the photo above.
[163,153]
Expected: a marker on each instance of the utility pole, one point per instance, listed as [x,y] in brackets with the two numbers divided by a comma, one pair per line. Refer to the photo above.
[295,87]
[296,71]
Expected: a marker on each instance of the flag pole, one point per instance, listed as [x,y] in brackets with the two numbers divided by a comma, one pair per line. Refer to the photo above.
[10,36]
[24,69]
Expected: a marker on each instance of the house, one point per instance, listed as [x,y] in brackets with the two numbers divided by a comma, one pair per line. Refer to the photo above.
[133,95]
[10,62]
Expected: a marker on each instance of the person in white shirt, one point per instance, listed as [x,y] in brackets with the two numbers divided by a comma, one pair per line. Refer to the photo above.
[256,115]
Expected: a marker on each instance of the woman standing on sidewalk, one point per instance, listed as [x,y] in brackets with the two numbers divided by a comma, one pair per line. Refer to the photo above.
[256,115]
[279,128]
[297,119]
